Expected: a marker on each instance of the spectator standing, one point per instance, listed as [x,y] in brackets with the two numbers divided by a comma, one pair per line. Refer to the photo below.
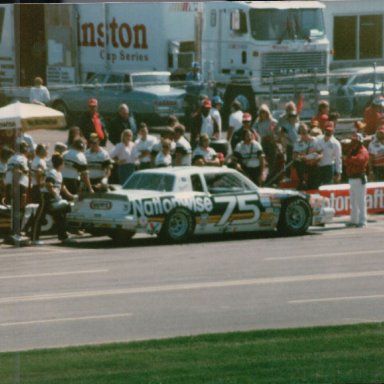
[376,156]
[235,121]
[5,154]
[204,123]
[183,151]
[374,115]
[330,165]
[99,163]
[52,202]
[122,121]
[283,119]
[143,147]
[217,105]
[322,115]
[203,154]
[356,163]
[124,154]
[38,170]
[164,158]
[39,94]
[265,126]
[166,134]
[246,125]
[75,168]
[92,122]
[250,155]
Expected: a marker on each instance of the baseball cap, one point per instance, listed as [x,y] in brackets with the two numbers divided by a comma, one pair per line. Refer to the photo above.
[195,64]
[247,116]
[217,100]
[329,126]
[93,138]
[92,102]
[207,103]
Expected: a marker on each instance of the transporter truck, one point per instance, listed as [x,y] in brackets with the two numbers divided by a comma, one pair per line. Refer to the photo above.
[266,52]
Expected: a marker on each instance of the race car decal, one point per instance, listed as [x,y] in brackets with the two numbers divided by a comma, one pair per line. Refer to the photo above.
[163,205]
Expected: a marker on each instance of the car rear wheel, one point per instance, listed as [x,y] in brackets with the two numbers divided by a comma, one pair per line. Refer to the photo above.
[295,217]
[178,226]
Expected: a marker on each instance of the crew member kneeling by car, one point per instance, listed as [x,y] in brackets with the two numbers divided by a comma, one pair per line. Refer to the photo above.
[250,156]
[356,163]
[52,202]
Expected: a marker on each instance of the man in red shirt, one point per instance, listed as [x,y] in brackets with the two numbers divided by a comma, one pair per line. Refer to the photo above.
[356,163]
[374,115]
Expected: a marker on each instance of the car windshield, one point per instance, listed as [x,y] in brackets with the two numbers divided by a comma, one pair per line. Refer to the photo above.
[151,182]
[228,182]
[283,24]
[143,80]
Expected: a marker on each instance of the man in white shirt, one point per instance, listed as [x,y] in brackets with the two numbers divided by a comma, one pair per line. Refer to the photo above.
[183,151]
[39,94]
[143,147]
[217,105]
[330,165]
[204,123]
[38,169]
[235,119]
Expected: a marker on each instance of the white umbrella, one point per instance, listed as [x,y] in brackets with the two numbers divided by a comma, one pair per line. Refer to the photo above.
[22,117]
[30,116]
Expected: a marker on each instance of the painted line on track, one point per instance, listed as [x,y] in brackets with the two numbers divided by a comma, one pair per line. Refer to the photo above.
[190,286]
[325,255]
[335,299]
[65,319]
[52,274]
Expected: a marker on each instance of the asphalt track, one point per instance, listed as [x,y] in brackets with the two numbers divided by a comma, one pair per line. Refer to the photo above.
[97,292]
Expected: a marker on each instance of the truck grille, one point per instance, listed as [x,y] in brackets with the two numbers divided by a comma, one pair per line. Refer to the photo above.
[301,65]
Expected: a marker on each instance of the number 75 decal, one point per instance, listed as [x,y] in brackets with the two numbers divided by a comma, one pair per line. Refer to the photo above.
[244,204]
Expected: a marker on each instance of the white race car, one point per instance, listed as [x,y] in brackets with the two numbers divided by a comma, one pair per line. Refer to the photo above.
[176,203]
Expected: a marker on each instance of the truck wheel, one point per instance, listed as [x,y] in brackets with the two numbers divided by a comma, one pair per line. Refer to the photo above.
[178,226]
[60,106]
[295,217]
[121,236]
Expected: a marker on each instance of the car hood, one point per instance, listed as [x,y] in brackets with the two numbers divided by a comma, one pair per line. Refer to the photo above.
[161,90]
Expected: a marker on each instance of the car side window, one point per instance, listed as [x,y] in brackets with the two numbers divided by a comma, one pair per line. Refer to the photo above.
[225,183]
[197,185]
[115,80]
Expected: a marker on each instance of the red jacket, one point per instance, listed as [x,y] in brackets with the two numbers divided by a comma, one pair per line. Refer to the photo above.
[373,118]
[357,163]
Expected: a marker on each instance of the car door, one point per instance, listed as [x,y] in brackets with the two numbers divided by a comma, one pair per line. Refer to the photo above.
[236,203]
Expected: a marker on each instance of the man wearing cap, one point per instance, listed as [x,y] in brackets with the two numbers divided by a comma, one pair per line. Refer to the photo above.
[76,168]
[374,115]
[204,122]
[376,156]
[356,163]
[99,163]
[92,122]
[217,105]
[330,166]
[246,122]
[122,121]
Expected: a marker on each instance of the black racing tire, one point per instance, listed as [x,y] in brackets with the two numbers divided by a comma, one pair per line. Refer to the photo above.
[295,217]
[178,226]
[121,236]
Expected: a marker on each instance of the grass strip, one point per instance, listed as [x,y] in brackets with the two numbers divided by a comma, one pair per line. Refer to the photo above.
[341,354]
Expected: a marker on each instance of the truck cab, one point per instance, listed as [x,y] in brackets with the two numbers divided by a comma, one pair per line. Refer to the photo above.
[266,51]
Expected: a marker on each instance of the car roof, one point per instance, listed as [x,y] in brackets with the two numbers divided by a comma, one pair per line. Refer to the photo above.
[127,72]
[187,171]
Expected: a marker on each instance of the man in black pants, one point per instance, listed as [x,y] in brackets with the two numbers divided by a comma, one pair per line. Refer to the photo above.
[51,202]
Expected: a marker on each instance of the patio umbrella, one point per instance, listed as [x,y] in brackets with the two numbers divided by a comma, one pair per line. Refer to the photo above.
[30,116]
[21,117]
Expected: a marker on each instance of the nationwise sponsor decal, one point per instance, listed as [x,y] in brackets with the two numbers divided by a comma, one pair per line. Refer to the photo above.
[163,205]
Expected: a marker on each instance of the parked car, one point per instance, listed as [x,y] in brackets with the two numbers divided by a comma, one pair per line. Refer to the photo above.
[351,89]
[175,203]
[149,95]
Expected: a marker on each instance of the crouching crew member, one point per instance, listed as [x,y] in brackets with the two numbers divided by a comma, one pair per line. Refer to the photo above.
[52,202]
[99,163]
[356,163]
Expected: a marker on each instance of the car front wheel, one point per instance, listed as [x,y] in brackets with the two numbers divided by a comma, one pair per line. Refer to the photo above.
[178,226]
[295,217]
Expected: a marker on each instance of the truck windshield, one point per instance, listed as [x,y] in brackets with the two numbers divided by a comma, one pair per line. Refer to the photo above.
[286,24]
[142,80]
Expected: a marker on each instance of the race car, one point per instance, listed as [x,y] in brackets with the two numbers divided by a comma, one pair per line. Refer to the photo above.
[176,203]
